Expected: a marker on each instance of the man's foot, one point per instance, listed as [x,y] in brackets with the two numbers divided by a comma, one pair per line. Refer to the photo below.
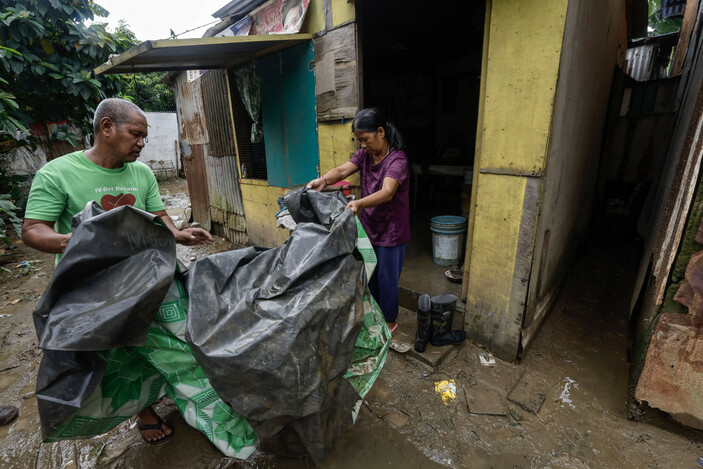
[153,429]
[392,326]
[8,414]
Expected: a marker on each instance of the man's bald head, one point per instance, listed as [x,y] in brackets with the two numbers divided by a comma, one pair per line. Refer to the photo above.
[120,111]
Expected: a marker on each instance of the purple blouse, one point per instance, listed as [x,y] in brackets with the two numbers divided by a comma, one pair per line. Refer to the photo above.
[387,225]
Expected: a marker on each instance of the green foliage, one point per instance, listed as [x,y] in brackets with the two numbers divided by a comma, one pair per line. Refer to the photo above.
[146,91]
[8,218]
[658,25]
[47,54]
[47,57]
[143,89]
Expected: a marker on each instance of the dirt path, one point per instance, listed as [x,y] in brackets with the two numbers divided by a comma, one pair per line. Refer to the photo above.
[578,362]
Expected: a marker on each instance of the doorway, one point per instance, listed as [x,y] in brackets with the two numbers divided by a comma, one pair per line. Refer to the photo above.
[421,65]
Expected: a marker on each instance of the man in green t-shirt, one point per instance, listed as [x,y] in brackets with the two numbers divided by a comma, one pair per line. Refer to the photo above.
[110,175]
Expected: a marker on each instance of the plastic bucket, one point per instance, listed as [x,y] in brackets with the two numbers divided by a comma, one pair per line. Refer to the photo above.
[448,239]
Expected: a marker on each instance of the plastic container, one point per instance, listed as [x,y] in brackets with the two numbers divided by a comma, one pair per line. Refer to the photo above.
[448,239]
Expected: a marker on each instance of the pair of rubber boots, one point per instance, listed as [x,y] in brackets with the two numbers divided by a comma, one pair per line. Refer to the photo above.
[434,322]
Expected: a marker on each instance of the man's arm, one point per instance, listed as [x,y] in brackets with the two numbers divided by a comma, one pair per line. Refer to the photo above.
[187,237]
[40,235]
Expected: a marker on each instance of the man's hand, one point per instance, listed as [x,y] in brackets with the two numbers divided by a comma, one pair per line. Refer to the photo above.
[192,236]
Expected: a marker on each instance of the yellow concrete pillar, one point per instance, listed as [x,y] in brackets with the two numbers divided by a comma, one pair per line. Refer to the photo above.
[525,40]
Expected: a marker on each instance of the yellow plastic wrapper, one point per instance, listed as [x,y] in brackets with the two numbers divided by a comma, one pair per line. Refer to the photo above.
[446,389]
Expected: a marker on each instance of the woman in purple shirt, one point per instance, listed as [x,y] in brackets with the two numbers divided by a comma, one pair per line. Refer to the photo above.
[384,204]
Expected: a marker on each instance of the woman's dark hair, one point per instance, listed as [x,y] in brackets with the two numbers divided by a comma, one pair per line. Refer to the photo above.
[370,119]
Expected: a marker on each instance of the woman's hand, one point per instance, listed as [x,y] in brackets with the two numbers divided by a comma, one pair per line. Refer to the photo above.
[355,206]
[317,184]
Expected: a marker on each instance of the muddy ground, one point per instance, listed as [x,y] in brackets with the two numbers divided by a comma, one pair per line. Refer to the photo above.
[578,362]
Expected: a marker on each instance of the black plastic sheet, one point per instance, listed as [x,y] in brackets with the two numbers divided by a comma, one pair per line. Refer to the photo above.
[274,329]
[104,293]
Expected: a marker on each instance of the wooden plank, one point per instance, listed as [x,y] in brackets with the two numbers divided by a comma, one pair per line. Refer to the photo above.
[528,394]
[689,21]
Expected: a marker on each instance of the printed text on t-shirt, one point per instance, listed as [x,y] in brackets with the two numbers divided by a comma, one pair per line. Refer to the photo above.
[116,188]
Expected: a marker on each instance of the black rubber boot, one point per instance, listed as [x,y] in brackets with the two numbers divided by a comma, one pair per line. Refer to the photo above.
[442,316]
[423,323]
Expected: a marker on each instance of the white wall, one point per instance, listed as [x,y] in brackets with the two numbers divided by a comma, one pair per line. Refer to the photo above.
[161,153]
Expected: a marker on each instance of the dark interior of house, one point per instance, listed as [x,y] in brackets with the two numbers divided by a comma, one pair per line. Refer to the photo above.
[426,78]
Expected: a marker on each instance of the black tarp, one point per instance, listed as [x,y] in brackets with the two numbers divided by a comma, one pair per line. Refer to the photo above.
[274,329]
[104,293]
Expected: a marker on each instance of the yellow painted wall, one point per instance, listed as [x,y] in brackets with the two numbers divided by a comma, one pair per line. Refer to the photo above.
[523,63]
[342,12]
[337,145]
[499,215]
[260,206]
[525,40]
[315,17]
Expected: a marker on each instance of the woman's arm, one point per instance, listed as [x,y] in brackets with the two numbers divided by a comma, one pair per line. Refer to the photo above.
[333,175]
[390,186]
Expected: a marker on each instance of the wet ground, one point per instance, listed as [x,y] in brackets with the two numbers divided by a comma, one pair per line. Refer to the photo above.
[578,363]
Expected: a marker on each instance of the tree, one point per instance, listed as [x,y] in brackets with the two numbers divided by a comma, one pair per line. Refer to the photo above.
[47,56]
[144,89]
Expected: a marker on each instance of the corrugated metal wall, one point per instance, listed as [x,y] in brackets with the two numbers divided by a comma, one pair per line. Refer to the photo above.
[226,205]
[207,141]
[639,62]
[217,115]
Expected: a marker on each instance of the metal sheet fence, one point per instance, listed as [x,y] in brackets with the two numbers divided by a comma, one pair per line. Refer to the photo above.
[217,111]
[226,205]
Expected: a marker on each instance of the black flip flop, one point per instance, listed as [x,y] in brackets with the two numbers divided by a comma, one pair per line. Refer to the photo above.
[154,426]
[8,414]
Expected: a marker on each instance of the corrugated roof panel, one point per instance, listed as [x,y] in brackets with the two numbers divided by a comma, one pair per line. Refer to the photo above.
[672,8]
[237,7]
[198,54]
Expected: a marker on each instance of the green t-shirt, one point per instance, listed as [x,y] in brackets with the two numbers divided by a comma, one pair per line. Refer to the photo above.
[65,185]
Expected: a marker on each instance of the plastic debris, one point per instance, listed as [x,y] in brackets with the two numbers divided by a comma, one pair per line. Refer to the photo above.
[446,389]
[486,359]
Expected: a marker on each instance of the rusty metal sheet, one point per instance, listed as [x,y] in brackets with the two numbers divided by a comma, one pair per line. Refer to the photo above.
[197,184]
[226,205]
[672,377]
[191,113]
[216,100]
[690,293]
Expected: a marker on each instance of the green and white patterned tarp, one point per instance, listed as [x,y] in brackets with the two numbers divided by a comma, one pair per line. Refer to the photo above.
[137,377]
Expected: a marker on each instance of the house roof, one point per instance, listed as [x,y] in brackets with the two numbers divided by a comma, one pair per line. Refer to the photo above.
[197,54]
[237,7]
